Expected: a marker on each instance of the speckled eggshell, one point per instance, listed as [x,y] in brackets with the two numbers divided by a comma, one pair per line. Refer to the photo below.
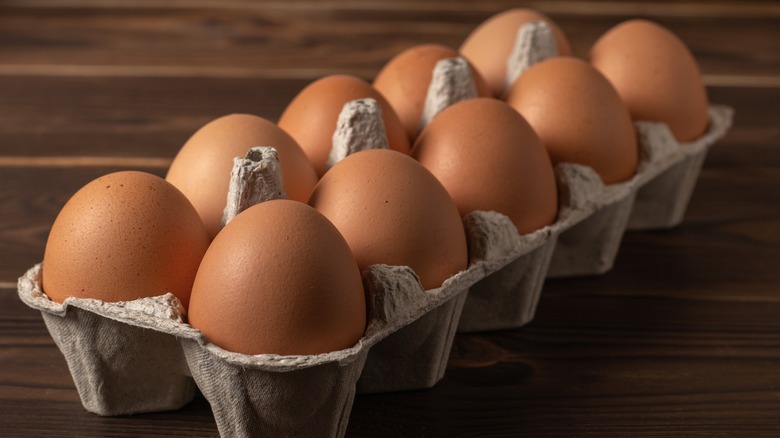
[312,115]
[123,236]
[405,79]
[579,117]
[201,169]
[392,210]
[489,158]
[279,279]
[490,44]
[656,76]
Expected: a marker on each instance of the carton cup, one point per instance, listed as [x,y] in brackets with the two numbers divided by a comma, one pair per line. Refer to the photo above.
[662,201]
[514,271]
[120,360]
[269,395]
[414,357]
[416,328]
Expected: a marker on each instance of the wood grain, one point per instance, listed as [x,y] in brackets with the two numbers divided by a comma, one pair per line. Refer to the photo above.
[134,117]
[153,117]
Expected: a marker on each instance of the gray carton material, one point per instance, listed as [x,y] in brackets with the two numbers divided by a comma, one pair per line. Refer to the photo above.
[588,246]
[139,356]
[514,271]
[415,327]
[120,360]
[270,395]
[663,200]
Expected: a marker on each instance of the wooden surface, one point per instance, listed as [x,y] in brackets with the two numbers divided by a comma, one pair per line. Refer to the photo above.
[682,338]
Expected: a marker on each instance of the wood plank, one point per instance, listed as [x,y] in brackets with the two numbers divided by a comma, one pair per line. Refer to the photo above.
[132,117]
[310,42]
[153,117]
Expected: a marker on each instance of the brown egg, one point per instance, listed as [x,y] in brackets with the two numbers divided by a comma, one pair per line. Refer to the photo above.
[404,82]
[123,236]
[488,158]
[279,279]
[490,44]
[201,169]
[655,75]
[311,117]
[578,116]
[392,210]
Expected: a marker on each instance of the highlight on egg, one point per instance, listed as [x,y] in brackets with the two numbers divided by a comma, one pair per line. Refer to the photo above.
[201,169]
[124,236]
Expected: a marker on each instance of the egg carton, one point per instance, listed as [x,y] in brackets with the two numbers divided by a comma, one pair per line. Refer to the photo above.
[140,356]
[592,219]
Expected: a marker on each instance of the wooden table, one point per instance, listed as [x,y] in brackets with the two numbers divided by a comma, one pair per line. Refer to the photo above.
[681,338]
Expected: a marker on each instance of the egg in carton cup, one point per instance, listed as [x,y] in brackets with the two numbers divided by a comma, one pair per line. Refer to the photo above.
[513,267]
[419,325]
[593,215]
[140,356]
[405,346]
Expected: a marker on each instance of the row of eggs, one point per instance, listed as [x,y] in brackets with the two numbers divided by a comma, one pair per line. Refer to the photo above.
[284,277]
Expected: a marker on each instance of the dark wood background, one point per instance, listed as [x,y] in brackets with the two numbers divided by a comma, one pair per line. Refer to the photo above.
[681,338]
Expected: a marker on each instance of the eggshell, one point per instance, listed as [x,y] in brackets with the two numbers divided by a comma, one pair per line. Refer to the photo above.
[489,45]
[123,236]
[489,158]
[392,210]
[656,76]
[279,279]
[201,169]
[578,116]
[312,115]
[405,79]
